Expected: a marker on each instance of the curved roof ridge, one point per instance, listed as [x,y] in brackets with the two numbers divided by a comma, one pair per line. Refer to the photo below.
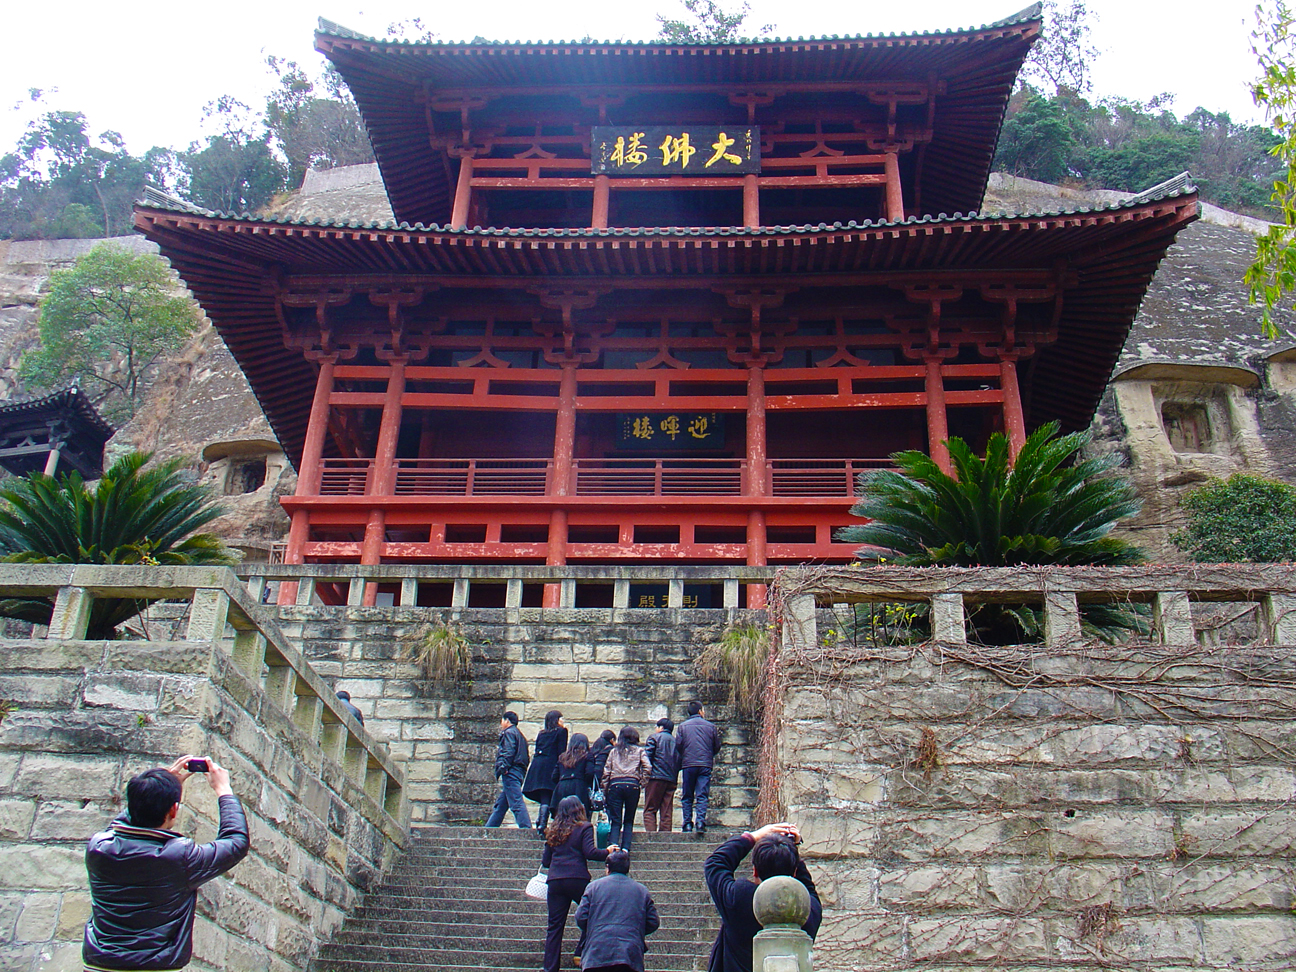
[333,29]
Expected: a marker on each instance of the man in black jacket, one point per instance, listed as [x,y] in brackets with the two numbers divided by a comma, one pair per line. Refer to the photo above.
[659,794]
[773,851]
[698,742]
[511,759]
[144,878]
[615,915]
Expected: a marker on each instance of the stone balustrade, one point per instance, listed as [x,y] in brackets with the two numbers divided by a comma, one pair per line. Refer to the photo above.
[325,800]
[1051,806]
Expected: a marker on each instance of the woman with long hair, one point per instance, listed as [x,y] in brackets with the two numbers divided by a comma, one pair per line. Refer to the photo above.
[573,774]
[626,773]
[549,745]
[569,845]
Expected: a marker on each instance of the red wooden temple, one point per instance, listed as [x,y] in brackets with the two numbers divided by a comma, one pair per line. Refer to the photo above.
[649,301]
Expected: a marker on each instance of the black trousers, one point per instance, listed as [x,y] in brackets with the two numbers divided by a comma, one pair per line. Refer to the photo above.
[622,802]
[563,894]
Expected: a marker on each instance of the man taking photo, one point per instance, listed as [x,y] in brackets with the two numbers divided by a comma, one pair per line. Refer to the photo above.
[144,878]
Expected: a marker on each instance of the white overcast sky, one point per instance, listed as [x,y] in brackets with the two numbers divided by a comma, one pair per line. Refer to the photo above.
[146,69]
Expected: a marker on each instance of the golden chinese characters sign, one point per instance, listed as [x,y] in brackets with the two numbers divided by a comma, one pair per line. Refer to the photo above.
[665,432]
[658,151]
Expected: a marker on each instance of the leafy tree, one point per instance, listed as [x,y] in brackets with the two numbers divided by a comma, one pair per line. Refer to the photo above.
[1062,56]
[707,23]
[1273,274]
[1044,508]
[60,181]
[236,170]
[106,321]
[1037,141]
[314,131]
[133,515]
[1243,518]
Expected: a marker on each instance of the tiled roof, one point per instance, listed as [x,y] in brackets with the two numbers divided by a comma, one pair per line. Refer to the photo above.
[1180,185]
[1029,14]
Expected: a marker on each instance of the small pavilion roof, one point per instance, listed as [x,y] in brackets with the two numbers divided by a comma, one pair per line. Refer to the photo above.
[390,80]
[87,432]
[228,262]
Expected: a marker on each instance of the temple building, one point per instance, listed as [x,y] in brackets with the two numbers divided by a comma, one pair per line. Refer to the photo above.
[646,300]
[58,434]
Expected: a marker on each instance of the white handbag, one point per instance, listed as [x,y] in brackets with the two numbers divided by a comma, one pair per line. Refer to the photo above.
[538,886]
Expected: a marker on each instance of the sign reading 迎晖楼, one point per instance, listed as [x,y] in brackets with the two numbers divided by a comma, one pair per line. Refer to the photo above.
[658,150]
[670,431]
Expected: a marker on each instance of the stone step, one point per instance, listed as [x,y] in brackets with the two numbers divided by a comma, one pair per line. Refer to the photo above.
[661,942]
[390,958]
[485,903]
[520,926]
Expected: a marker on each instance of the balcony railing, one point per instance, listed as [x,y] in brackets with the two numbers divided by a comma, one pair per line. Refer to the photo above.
[600,477]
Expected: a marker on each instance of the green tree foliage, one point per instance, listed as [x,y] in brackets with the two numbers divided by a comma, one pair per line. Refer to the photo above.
[60,181]
[1273,274]
[314,130]
[106,321]
[1240,519]
[706,23]
[234,170]
[1048,507]
[1130,145]
[135,514]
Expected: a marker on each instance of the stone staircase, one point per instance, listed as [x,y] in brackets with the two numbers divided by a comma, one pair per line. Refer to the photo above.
[454,903]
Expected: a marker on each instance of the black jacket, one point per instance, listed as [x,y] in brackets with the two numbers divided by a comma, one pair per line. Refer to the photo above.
[663,754]
[567,860]
[598,755]
[144,885]
[732,951]
[549,745]
[698,742]
[616,913]
[511,753]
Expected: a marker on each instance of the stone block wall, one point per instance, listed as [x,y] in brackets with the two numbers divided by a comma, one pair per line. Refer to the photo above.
[1060,808]
[602,668]
[86,716]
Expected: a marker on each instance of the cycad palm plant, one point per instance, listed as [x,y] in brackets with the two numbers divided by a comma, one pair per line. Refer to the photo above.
[132,515]
[1041,509]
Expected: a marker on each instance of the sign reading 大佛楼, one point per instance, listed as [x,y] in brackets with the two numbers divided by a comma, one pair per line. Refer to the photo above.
[658,151]
[670,431]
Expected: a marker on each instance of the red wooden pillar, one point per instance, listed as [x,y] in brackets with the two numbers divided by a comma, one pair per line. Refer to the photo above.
[1014,419]
[894,195]
[308,474]
[382,480]
[751,201]
[463,193]
[560,483]
[937,423]
[602,190]
[757,478]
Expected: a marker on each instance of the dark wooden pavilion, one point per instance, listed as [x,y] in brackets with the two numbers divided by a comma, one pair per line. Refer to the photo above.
[59,433]
[651,301]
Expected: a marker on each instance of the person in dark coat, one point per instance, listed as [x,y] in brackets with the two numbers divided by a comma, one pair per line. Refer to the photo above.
[599,751]
[573,775]
[549,745]
[698,742]
[659,794]
[569,844]
[511,760]
[345,698]
[616,914]
[774,851]
[144,877]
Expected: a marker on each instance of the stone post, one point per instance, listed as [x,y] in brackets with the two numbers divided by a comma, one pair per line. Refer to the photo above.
[782,905]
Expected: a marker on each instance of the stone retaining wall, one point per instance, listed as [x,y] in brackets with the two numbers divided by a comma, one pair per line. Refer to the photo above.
[603,668]
[1058,808]
[86,716]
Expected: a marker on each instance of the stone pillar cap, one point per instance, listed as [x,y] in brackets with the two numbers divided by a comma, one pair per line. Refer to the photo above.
[781,900]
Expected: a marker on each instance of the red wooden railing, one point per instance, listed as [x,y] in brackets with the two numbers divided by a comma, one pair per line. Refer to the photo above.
[599,477]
